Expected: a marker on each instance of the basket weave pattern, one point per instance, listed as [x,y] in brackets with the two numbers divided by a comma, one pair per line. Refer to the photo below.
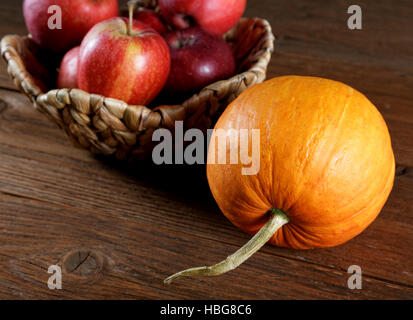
[112,127]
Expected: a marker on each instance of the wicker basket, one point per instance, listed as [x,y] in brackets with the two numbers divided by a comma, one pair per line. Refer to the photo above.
[112,127]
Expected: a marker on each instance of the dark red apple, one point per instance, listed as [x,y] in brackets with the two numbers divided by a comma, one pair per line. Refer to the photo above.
[215,16]
[77,17]
[198,58]
[68,70]
[130,63]
[150,17]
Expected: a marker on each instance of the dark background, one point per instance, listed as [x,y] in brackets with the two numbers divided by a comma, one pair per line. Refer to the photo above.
[119,230]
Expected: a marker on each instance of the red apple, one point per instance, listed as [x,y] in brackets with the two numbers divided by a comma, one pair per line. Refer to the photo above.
[198,58]
[77,17]
[68,70]
[215,16]
[150,17]
[123,62]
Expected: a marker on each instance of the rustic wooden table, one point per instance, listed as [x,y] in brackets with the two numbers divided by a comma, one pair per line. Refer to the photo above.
[117,231]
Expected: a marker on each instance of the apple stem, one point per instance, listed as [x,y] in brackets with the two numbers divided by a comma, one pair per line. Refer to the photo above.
[277,220]
[131,7]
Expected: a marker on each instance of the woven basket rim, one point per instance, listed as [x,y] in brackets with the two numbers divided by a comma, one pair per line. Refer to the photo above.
[36,93]
[87,117]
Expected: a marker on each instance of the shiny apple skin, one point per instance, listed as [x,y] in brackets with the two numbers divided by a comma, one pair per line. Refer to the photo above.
[78,17]
[67,77]
[198,58]
[130,67]
[214,16]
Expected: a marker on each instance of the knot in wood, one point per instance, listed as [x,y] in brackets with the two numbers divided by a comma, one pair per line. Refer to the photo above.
[83,262]
[3,106]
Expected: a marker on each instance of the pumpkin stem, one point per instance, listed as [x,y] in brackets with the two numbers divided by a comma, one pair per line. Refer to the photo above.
[276,221]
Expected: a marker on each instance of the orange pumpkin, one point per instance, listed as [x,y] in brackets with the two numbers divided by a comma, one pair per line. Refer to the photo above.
[326,169]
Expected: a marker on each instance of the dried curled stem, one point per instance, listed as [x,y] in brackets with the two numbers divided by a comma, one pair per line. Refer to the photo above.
[276,221]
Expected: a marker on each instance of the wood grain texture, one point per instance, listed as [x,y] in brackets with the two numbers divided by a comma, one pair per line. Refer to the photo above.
[118,229]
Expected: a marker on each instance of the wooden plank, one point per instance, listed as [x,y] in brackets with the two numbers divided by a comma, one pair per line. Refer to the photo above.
[128,260]
[159,195]
[320,28]
[11,18]
[142,222]
[11,22]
